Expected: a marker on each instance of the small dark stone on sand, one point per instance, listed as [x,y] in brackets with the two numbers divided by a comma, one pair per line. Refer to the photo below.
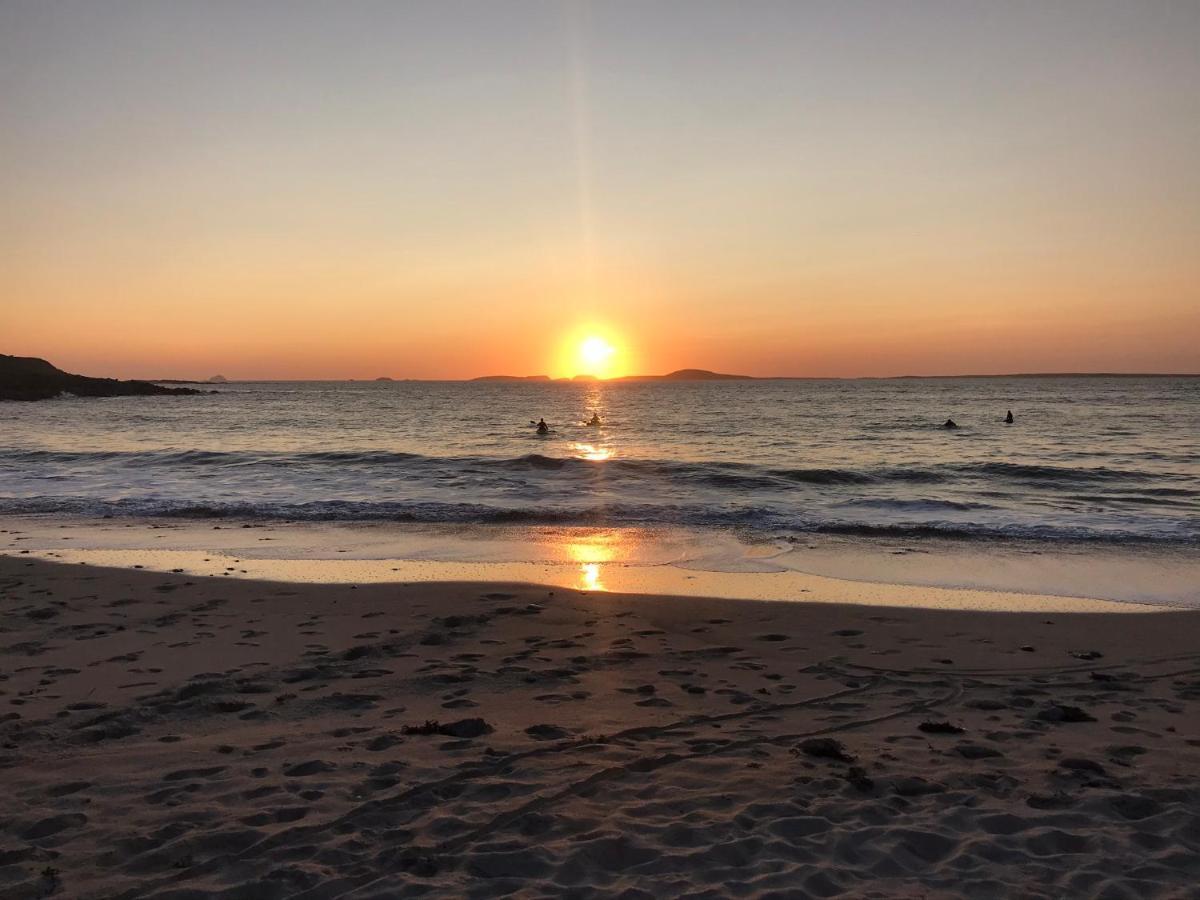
[463,728]
[824,748]
[940,728]
[1087,654]
[466,728]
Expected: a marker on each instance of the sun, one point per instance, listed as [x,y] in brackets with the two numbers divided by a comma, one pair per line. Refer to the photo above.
[592,350]
[594,354]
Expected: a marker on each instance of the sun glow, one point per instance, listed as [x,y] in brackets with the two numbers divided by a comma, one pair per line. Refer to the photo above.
[593,350]
[594,353]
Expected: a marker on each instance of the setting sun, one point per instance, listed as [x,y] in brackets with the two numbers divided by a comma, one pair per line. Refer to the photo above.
[592,349]
[594,353]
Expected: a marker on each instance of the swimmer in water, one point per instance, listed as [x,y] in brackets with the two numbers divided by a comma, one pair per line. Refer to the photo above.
[950,423]
[1008,419]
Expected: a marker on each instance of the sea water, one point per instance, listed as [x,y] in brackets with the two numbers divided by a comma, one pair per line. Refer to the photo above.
[1087,459]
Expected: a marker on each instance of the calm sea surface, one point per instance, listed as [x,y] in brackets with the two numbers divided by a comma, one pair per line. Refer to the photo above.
[1091,459]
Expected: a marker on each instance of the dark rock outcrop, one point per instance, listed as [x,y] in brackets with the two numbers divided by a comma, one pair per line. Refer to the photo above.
[29,378]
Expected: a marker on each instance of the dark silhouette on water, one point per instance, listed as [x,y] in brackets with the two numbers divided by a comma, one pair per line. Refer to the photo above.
[594,420]
[1009,418]
[950,423]
[542,427]
[30,378]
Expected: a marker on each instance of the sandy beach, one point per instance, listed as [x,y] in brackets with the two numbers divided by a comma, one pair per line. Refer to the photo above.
[172,736]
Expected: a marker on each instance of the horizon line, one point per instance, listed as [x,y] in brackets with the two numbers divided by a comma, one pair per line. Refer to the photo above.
[589,379]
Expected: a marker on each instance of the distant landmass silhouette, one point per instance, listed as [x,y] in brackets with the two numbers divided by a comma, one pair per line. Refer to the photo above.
[677,375]
[30,378]
[515,378]
[688,375]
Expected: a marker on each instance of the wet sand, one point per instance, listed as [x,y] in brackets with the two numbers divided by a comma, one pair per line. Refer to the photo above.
[1013,576]
[168,735]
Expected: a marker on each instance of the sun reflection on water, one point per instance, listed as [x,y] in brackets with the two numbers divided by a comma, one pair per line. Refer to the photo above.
[592,452]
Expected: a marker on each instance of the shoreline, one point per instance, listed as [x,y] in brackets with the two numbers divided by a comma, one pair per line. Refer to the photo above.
[681,561]
[165,733]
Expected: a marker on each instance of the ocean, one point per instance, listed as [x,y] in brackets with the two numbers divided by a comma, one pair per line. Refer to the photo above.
[1088,459]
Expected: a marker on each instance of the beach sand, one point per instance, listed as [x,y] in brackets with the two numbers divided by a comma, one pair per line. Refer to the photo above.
[167,735]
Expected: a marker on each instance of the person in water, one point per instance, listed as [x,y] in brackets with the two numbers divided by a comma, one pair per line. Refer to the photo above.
[594,420]
[1008,419]
[542,427]
[950,423]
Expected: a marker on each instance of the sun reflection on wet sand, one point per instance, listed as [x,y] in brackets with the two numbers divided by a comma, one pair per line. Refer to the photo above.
[589,577]
[592,550]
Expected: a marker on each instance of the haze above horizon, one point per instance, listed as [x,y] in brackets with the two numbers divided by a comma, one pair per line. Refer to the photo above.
[445,190]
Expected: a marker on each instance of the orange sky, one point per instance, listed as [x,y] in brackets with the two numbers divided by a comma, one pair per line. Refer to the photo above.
[295,191]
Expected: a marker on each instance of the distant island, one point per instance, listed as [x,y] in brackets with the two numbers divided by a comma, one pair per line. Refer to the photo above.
[215,379]
[515,378]
[30,378]
[688,375]
[678,375]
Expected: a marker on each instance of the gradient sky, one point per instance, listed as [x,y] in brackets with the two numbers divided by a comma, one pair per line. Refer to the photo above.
[448,189]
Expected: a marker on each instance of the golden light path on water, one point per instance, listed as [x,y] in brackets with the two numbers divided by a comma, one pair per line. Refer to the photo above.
[600,547]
